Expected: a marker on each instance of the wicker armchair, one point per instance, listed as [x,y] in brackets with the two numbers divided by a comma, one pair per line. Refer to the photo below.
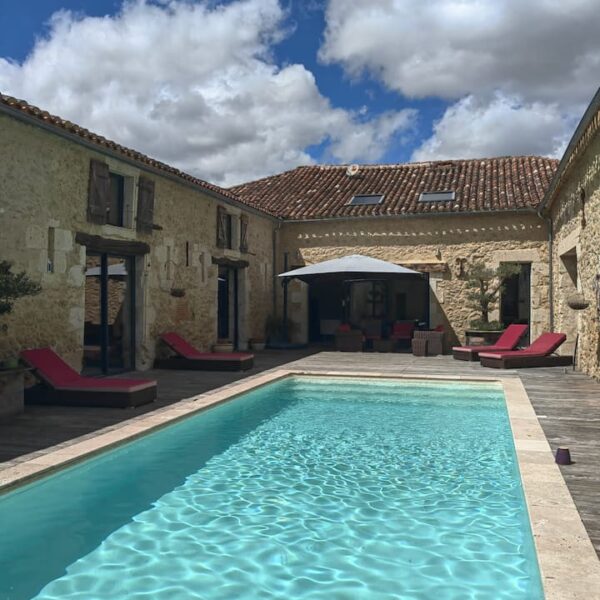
[435,341]
[349,340]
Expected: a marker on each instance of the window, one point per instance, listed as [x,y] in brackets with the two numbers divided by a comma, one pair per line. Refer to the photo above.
[114,210]
[111,198]
[445,196]
[228,231]
[224,229]
[366,199]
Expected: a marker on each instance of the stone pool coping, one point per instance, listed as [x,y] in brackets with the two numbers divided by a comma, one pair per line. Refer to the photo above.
[569,566]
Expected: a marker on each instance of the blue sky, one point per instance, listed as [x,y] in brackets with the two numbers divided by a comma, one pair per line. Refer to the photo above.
[237,90]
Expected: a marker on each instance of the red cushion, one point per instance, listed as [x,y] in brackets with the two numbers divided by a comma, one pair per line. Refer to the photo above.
[402,330]
[344,328]
[180,345]
[494,348]
[510,338]
[185,349]
[51,367]
[544,345]
[108,384]
[56,372]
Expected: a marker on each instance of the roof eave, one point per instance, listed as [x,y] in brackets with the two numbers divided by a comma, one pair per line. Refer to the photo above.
[479,213]
[91,145]
[589,114]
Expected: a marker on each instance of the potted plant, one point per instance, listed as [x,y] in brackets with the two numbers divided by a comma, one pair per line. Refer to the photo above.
[257,343]
[277,332]
[223,345]
[485,287]
[12,287]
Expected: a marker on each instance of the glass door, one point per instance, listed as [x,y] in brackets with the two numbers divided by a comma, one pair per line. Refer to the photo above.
[109,330]
[227,305]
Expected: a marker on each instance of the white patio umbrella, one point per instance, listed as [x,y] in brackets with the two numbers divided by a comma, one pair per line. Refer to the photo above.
[353,266]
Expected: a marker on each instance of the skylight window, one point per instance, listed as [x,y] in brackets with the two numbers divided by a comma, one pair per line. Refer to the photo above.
[446,196]
[366,199]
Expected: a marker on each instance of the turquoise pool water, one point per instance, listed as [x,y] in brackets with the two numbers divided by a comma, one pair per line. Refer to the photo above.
[313,488]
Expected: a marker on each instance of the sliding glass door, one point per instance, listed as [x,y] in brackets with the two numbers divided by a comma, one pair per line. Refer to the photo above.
[109,330]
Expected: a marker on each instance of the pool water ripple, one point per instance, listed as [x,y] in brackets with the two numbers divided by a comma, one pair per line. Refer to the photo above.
[342,490]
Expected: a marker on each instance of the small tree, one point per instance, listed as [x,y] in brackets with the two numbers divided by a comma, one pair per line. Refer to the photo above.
[14,286]
[486,286]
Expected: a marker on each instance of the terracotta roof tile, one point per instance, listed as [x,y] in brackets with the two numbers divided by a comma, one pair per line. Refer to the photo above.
[102,142]
[490,184]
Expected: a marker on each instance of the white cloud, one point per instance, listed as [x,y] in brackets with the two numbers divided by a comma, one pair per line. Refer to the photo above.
[475,128]
[196,86]
[542,50]
[519,73]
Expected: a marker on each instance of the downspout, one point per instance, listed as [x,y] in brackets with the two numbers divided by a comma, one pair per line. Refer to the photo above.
[274,263]
[551,270]
[548,221]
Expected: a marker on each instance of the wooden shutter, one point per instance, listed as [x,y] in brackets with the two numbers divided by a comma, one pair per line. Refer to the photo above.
[244,233]
[221,227]
[98,192]
[145,207]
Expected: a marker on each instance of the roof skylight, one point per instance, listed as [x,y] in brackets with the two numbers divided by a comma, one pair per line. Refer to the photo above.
[445,196]
[366,199]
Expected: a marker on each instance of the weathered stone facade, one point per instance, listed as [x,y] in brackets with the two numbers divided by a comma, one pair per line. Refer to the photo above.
[43,201]
[439,244]
[575,214]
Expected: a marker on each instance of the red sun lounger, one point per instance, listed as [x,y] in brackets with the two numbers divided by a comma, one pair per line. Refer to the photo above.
[63,385]
[507,341]
[539,354]
[190,358]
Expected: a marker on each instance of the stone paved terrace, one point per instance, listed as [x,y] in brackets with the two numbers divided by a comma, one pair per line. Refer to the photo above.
[567,405]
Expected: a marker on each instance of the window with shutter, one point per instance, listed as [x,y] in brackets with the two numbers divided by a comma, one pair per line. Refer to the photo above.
[145,208]
[98,192]
[243,233]
[116,203]
[221,227]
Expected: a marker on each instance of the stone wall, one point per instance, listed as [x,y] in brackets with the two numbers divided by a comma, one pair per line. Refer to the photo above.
[438,244]
[43,203]
[576,256]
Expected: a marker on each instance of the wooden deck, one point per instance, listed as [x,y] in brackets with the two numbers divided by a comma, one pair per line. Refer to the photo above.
[567,404]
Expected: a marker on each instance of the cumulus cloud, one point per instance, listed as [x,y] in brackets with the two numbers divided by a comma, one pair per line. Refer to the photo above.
[535,63]
[476,128]
[195,85]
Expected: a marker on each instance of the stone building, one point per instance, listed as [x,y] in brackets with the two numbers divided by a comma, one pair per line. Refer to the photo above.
[437,218]
[572,206]
[79,213]
[126,247]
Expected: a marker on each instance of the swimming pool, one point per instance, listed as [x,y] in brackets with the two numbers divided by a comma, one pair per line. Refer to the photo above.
[305,488]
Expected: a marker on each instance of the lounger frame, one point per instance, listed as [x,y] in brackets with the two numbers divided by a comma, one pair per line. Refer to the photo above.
[44,394]
[201,364]
[525,362]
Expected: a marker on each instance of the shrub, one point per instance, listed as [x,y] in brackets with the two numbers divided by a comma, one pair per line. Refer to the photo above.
[486,286]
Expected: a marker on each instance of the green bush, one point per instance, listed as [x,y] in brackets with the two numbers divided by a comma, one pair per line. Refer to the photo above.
[14,286]
[486,285]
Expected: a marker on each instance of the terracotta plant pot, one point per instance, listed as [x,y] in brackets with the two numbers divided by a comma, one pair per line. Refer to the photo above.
[223,346]
[577,302]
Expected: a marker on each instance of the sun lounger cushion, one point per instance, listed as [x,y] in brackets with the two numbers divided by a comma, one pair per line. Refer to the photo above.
[544,345]
[506,342]
[58,374]
[185,349]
